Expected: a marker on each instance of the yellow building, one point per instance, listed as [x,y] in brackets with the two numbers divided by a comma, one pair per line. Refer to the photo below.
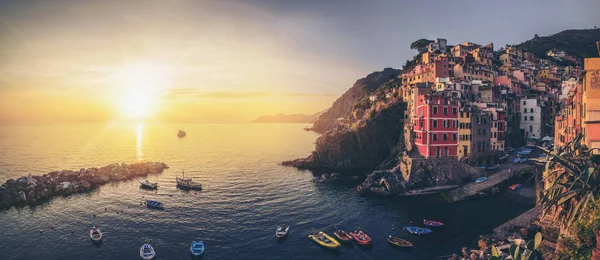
[464,133]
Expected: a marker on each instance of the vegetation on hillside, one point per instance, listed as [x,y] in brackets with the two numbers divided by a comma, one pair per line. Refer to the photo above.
[577,43]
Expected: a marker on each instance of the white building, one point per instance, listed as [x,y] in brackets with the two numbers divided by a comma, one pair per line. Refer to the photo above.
[531,118]
[438,45]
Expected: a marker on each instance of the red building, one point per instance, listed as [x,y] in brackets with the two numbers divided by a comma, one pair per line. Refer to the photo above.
[435,124]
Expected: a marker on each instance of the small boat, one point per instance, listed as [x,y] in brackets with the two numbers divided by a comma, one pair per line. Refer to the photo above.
[282,231]
[503,157]
[96,234]
[147,252]
[154,204]
[361,238]
[324,240]
[418,230]
[432,223]
[480,180]
[343,236]
[197,248]
[399,242]
[148,185]
[493,168]
[181,133]
[187,183]
[515,186]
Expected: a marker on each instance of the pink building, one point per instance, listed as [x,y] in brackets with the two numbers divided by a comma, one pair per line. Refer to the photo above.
[435,123]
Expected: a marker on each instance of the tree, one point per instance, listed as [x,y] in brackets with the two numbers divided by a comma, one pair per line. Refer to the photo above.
[536,36]
[572,178]
[420,45]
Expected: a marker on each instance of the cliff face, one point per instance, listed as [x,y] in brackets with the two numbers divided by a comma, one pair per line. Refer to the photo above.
[579,43]
[361,144]
[343,106]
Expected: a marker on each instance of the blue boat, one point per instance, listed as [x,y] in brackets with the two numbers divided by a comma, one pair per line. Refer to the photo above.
[418,230]
[154,204]
[197,248]
[480,180]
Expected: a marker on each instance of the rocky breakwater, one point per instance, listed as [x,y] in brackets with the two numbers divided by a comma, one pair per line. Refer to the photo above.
[368,139]
[33,190]
[419,173]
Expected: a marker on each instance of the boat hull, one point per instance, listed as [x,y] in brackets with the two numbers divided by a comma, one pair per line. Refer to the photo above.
[344,237]
[333,244]
[363,240]
[398,242]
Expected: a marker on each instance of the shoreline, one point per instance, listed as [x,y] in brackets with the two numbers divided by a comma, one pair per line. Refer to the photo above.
[35,190]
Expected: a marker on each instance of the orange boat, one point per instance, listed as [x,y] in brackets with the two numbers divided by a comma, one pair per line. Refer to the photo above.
[343,236]
[361,238]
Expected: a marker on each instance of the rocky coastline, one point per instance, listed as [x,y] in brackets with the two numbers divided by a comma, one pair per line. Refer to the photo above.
[35,190]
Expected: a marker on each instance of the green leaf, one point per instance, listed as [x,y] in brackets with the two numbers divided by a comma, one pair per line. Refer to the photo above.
[538,240]
[494,251]
[493,258]
[530,245]
[516,254]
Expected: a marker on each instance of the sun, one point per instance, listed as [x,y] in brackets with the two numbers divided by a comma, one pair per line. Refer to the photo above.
[142,84]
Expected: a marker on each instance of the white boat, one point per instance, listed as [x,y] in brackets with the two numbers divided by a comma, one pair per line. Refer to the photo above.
[187,183]
[147,252]
[282,231]
[95,234]
[148,185]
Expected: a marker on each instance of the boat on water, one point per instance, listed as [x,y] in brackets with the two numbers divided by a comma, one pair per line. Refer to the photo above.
[197,247]
[148,185]
[187,183]
[181,133]
[515,186]
[324,240]
[343,236]
[95,234]
[418,230]
[432,223]
[480,180]
[282,231]
[398,242]
[154,204]
[361,237]
[147,252]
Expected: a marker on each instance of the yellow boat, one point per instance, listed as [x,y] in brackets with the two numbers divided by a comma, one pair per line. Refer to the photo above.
[324,240]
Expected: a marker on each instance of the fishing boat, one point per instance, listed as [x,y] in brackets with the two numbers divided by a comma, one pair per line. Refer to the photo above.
[147,252]
[148,185]
[361,238]
[343,236]
[515,186]
[154,204]
[418,230]
[432,223]
[181,133]
[95,234]
[480,180]
[399,242]
[324,240]
[282,231]
[187,183]
[197,248]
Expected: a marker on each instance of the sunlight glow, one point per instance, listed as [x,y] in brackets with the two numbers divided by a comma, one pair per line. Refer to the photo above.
[142,83]
[139,144]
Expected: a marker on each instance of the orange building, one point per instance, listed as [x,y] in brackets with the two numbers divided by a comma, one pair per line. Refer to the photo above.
[591,102]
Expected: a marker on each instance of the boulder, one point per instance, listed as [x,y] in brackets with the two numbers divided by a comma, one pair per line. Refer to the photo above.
[22,197]
[10,183]
[58,189]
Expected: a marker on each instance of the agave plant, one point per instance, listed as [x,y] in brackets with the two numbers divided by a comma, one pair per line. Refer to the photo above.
[517,252]
[572,177]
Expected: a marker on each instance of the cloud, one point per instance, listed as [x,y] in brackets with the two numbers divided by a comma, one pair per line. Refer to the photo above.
[190,92]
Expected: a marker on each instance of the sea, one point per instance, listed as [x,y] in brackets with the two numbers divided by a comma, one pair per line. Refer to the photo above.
[246,194]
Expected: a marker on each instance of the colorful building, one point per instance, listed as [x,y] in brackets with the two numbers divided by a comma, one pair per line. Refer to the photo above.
[435,125]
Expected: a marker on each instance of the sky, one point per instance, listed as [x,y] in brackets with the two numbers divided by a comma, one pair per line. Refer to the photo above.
[231,61]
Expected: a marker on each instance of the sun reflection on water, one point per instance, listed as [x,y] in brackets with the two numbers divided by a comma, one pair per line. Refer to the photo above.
[139,145]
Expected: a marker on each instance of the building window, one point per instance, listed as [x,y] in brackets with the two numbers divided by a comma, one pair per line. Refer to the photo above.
[445,110]
[531,110]
[524,110]
[446,124]
[446,151]
[454,137]
[454,111]
[483,131]
[434,123]
[525,118]
[531,118]
[530,128]
[435,110]
[462,125]
[524,102]
[437,152]
[445,137]
[434,137]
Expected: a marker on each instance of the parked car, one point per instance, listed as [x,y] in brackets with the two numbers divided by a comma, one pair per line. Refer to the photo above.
[520,160]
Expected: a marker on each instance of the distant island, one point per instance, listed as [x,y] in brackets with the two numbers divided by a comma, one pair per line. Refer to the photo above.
[282,118]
